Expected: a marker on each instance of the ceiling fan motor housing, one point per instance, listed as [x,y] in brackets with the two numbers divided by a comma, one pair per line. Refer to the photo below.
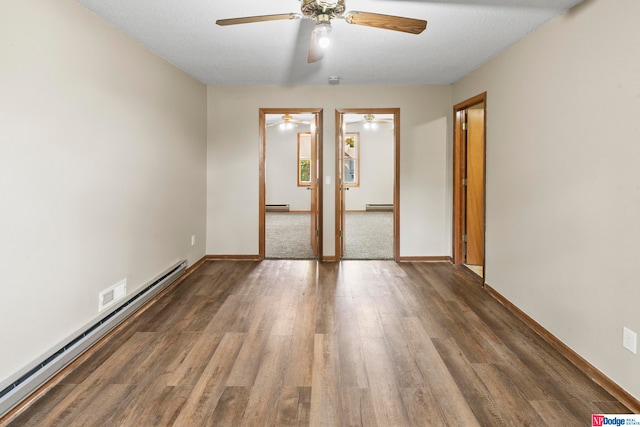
[318,8]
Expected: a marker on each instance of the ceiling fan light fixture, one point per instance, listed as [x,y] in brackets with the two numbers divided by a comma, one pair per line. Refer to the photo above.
[321,32]
[368,121]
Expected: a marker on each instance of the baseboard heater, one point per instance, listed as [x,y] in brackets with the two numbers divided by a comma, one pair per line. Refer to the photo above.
[378,207]
[27,381]
[277,208]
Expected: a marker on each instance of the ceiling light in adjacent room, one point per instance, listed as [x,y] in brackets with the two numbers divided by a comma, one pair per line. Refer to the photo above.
[369,121]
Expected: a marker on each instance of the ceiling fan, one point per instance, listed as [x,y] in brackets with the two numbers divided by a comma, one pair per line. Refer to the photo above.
[322,12]
[288,121]
[369,119]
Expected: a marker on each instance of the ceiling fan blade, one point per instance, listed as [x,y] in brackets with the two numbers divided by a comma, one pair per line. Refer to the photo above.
[387,22]
[315,52]
[262,18]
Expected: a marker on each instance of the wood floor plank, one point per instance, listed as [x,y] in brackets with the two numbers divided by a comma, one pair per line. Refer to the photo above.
[329,284]
[211,384]
[422,407]
[99,412]
[247,364]
[287,312]
[299,374]
[262,407]
[407,371]
[368,318]
[554,413]
[294,406]
[358,408]
[148,405]
[353,372]
[300,343]
[230,408]
[39,412]
[486,409]
[326,405]
[385,392]
[227,318]
[515,408]
[436,375]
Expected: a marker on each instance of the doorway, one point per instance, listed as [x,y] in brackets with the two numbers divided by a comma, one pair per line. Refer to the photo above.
[290,196]
[367,183]
[469,184]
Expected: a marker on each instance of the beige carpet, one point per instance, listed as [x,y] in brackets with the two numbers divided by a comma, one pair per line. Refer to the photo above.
[368,235]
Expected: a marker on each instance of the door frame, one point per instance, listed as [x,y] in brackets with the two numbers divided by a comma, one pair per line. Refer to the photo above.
[339,192]
[262,197]
[459,165]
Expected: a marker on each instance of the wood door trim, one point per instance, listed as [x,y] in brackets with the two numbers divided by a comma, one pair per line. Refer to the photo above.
[396,179]
[262,123]
[458,204]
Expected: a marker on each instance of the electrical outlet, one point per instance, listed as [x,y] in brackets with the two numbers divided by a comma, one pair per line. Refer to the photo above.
[630,340]
[193,240]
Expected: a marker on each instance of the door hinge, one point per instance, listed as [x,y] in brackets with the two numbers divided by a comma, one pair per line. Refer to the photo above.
[464,126]
[316,233]
[340,233]
[464,238]
[464,181]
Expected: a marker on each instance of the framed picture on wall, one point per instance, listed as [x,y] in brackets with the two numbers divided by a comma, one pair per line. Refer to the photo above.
[352,159]
[304,159]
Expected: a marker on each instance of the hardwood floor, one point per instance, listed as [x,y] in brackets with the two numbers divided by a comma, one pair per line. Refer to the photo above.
[297,343]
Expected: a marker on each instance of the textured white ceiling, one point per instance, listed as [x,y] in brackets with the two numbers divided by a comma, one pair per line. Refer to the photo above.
[460,36]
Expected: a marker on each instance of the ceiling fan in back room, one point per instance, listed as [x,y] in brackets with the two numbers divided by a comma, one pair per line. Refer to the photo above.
[322,12]
[287,121]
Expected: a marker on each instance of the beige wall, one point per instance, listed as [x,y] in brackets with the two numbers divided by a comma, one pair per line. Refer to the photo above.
[563,192]
[233,140]
[102,170]
[282,170]
[376,166]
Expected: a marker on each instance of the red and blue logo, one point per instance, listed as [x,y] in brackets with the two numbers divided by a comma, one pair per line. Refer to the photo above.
[617,420]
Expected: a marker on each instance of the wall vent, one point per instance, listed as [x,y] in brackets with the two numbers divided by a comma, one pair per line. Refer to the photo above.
[277,208]
[110,296]
[379,207]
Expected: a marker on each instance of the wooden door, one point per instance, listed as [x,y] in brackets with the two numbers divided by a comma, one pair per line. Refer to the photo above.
[474,203]
[314,189]
[469,182]
[341,128]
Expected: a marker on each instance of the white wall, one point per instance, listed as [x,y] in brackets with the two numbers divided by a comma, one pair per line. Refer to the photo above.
[281,169]
[102,170]
[376,167]
[563,182]
[233,141]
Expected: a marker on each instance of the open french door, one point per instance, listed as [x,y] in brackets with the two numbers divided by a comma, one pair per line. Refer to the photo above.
[315,182]
[315,192]
[342,186]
